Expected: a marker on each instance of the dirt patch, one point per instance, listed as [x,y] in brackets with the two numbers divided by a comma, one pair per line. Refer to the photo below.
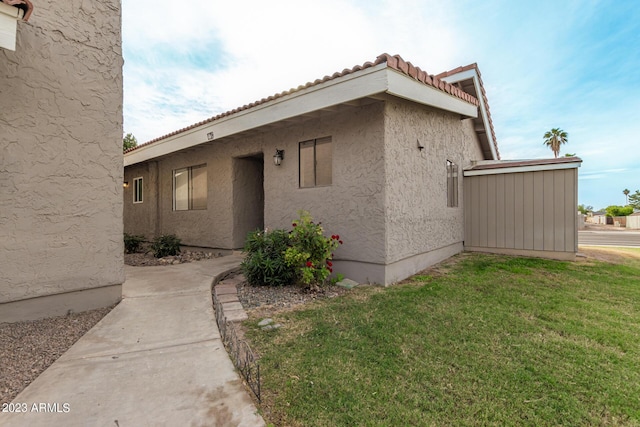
[607,254]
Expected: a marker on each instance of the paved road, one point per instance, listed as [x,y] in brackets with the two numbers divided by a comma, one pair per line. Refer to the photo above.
[609,238]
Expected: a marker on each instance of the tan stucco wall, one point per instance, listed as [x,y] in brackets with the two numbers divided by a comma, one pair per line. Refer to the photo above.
[61,162]
[352,206]
[420,228]
[387,200]
[633,221]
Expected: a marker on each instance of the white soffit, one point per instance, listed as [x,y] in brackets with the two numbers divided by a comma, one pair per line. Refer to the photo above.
[361,84]
[9,17]
[520,169]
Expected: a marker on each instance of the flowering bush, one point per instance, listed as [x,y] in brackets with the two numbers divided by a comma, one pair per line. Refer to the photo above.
[311,252]
[302,255]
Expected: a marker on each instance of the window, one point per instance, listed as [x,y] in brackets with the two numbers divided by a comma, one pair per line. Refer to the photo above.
[315,162]
[137,190]
[190,188]
[452,184]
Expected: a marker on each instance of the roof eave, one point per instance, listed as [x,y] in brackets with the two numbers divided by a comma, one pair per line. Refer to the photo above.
[365,83]
[472,74]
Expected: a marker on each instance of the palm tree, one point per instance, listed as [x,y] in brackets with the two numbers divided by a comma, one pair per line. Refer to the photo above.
[554,139]
[626,194]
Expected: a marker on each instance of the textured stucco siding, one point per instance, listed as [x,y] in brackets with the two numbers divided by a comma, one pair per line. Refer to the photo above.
[353,206]
[61,144]
[142,218]
[418,220]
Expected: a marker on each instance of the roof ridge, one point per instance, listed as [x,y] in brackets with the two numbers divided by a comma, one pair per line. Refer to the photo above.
[393,61]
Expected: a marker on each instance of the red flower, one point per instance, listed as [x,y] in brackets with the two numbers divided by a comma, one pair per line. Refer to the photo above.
[294,224]
[309,264]
[340,241]
[330,270]
[333,236]
[329,263]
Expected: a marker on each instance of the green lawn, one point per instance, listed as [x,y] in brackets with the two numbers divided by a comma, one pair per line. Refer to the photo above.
[486,340]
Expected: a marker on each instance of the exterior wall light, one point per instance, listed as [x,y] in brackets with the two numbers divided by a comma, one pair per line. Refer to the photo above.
[278,157]
[125,184]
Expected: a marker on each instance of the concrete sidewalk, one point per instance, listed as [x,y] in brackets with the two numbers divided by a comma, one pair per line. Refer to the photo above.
[156,359]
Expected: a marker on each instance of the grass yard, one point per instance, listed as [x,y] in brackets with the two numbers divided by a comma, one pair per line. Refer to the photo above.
[481,340]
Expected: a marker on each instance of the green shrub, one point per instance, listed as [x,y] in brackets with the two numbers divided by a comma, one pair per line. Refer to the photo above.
[132,243]
[264,263]
[165,245]
[311,252]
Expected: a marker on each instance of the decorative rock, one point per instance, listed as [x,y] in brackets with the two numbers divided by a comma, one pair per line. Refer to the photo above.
[265,322]
[271,327]
[347,283]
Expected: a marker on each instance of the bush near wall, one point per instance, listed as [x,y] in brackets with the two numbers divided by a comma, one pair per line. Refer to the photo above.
[302,255]
[132,243]
[165,245]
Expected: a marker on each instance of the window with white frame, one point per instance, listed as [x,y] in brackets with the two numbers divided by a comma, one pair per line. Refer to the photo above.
[190,188]
[137,190]
[452,184]
[315,162]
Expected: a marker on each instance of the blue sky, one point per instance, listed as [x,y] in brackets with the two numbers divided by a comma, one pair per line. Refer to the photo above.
[545,64]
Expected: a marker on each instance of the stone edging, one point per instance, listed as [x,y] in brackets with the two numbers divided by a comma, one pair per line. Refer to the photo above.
[226,293]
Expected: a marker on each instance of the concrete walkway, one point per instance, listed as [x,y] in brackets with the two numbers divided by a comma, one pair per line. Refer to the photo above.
[156,359]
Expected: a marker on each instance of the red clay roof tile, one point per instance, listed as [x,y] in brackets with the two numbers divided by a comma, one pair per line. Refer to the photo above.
[395,62]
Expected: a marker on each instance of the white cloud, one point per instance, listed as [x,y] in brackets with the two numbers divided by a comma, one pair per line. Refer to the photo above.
[555,65]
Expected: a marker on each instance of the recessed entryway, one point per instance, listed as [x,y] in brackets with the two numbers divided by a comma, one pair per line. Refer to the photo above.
[248,196]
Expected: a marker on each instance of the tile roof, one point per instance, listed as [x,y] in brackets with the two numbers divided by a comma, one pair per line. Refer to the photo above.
[394,62]
[474,66]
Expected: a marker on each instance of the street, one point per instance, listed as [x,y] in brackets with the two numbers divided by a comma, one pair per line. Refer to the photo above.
[609,238]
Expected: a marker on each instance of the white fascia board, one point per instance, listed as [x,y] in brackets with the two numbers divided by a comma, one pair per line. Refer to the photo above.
[403,86]
[472,74]
[520,169]
[333,92]
[9,17]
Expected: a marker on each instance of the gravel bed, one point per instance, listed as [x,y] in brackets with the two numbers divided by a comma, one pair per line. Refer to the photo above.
[283,297]
[28,348]
[147,259]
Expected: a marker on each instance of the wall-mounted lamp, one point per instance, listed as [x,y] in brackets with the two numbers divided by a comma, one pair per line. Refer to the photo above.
[420,146]
[125,184]
[278,157]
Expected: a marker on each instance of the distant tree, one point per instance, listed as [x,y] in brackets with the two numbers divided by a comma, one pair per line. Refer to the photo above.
[554,139]
[634,200]
[129,141]
[585,209]
[570,155]
[626,194]
[619,210]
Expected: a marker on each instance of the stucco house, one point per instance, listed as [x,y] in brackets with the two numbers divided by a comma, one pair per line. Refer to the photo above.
[376,152]
[61,243]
